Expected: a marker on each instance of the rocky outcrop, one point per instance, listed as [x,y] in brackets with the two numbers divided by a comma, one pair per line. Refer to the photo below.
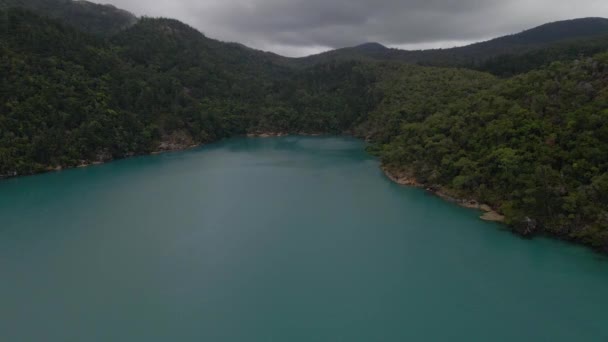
[100,158]
[492,216]
[266,134]
[401,176]
[405,177]
[179,140]
[527,227]
[262,134]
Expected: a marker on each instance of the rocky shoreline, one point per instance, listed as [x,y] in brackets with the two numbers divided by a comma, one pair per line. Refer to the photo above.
[403,177]
[280,134]
[86,163]
[172,143]
[526,228]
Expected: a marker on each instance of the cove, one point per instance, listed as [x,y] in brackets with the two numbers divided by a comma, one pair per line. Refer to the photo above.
[277,239]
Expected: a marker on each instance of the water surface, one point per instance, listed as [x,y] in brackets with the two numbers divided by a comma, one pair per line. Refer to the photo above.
[279,239]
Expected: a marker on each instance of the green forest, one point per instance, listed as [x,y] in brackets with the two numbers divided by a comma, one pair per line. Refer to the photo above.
[520,124]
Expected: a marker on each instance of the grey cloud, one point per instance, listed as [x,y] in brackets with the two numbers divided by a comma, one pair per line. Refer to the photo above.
[297,27]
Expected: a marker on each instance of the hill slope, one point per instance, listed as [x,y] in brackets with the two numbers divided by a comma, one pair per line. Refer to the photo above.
[84,15]
[534,146]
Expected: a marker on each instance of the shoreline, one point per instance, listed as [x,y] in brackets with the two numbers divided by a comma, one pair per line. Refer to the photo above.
[163,147]
[400,177]
[85,163]
[405,178]
[281,134]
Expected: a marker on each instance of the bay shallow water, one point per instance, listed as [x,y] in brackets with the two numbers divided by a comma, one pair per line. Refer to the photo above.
[277,239]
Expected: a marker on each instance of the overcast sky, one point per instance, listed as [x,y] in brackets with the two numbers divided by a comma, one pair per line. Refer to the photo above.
[303,27]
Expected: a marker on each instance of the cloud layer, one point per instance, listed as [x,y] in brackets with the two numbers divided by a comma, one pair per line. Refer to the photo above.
[301,27]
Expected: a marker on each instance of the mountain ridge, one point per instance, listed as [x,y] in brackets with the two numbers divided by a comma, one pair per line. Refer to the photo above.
[99,19]
[108,20]
[473,54]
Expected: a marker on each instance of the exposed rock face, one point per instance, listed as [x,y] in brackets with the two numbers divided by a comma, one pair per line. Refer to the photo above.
[402,177]
[103,156]
[175,141]
[260,134]
[492,216]
[527,227]
[485,207]
[405,177]
[489,215]
[100,158]
[266,134]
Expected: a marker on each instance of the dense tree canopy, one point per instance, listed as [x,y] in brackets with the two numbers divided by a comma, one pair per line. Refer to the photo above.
[535,146]
[87,16]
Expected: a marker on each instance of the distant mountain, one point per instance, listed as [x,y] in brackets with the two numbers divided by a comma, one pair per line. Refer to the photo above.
[554,32]
[474,55]
[367,51]
[86,16]
[513,63]
[370,48]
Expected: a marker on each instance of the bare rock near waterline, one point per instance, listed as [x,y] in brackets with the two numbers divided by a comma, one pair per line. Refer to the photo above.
[492,216]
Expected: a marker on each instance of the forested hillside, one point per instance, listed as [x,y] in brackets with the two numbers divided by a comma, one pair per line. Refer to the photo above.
[70,98]
[513,64]
[87,16]
[534,146]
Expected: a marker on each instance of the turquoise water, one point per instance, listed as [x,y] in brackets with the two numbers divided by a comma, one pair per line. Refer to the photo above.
[280,239]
